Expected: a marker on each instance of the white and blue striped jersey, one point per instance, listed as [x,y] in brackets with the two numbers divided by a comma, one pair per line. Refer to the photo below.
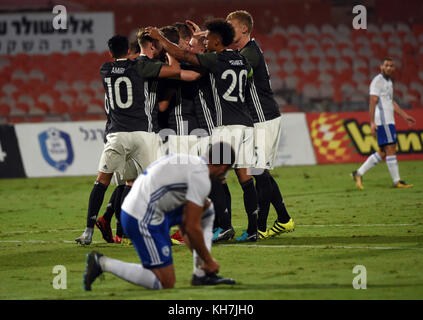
[167,184]
[383,88]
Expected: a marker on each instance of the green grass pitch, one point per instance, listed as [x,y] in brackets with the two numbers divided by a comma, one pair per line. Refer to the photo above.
[337,228]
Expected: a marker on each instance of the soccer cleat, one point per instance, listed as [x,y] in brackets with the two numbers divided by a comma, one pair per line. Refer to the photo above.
[92,269]
[402,185]
[125,241]
[279,228]
[106,230]
[118,239]
[176,242]
[262,234]
[358,179]
[177,236]
[247,237]
[86,238]
[210,279]
[223,235]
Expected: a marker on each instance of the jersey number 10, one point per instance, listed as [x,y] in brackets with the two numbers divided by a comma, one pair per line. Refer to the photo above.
[117,97]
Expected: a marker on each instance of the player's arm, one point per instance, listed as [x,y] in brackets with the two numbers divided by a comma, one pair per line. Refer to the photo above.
[172,49]
[409,119]
[372,107]
[172,70]
[191,226]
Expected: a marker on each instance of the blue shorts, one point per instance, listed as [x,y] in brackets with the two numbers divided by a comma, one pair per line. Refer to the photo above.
[152,242]
[386,134]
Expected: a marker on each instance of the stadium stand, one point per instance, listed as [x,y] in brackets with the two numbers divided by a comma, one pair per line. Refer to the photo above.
[314,65]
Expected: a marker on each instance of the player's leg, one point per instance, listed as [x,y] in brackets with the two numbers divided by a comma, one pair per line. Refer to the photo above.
[94,204]
[112,160]
[154,251]
[250,204]
[392,164]
[373,159]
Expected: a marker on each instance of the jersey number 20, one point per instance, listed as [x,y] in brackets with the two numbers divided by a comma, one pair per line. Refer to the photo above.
[239,80]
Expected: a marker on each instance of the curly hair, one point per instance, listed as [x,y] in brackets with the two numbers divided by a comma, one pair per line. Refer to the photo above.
[222,28]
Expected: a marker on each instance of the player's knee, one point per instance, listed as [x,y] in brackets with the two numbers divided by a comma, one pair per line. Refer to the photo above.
[168,283]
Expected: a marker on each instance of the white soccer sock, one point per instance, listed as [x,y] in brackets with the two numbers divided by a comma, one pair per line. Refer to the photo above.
[392,163]
[207,225]
[370,162]
[131,272]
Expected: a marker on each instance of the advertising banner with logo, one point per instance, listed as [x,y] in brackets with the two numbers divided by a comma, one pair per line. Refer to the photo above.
[10,157]
[346,137]
[295,146]
[61,148]
[35,33]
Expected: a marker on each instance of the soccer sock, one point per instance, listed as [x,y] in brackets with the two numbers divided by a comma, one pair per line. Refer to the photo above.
[264,195]
[251,205]
[278,203]
[207,226]
[228,202]
[392,163]
[131,272]
[370,162]
[217,195]
[119,229]
[110,210]
[95,202]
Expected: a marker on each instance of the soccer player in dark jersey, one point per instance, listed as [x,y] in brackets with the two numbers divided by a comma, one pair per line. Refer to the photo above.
[267,123]
[132,143]
[228,74]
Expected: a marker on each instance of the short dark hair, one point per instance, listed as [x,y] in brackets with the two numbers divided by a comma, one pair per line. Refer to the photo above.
[118,46]
[171,34]
[222,28]
[183,29]
[221,153]
[386,59]
[134,47]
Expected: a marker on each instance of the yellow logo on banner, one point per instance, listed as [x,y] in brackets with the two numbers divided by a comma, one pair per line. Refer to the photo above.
[330,138]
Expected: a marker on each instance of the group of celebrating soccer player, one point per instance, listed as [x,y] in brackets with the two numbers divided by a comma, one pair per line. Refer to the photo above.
[183,108]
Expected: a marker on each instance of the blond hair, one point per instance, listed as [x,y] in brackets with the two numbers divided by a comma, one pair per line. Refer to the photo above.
[243,17]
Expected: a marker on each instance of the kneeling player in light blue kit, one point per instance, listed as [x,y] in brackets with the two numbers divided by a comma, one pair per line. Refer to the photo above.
[172,191]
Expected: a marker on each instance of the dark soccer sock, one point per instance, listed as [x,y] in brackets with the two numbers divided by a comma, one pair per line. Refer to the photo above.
[278,204]
[119,229]
[95,202]
[110,210]
[264,195]
[217,195]
[228,203]
[251,205]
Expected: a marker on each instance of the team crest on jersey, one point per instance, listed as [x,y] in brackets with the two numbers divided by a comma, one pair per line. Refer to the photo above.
[166,251]
[56,148]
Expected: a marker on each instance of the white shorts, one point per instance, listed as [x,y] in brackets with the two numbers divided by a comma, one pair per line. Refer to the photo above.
[186,144]
[266,141]
[241,138]
[128,154]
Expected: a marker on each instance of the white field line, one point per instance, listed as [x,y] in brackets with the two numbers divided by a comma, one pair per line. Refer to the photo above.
[236,245]
[320,247]
[237,227]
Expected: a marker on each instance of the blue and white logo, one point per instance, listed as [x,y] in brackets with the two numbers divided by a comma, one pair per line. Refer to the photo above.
[56,148]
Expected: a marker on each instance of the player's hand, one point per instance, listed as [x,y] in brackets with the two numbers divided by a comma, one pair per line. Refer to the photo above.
[410,120]
[373,128]
[211,266]
[193,26]
[153,32]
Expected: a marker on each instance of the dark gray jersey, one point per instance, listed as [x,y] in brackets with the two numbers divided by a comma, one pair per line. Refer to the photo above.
[229,71]
[261,102]
[131,86]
